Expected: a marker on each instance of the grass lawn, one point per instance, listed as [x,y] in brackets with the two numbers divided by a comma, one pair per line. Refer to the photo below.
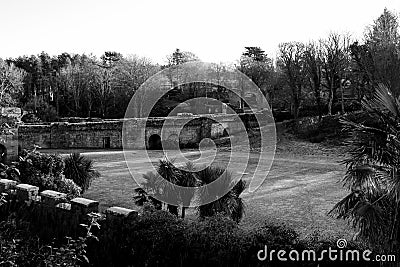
[299,189]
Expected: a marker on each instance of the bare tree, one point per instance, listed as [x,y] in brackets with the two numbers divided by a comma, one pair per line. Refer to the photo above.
[291,61]
[313,69]
[335,51]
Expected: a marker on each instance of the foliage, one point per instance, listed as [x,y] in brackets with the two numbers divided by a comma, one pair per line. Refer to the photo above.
[9,172]
[80,169]
[258,67]
[160,239]
[11,81]
[46,172]
[179,57]
[66,186]
[373,203]
[152,188]
[377,59]
[80,85]
[20,247]
[41,110]
[229,204]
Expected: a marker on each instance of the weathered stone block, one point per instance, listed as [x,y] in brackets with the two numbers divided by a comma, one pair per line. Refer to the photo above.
[6,185]
[84,206]
[121,212]
[26,192]
[116,215]
[52,198]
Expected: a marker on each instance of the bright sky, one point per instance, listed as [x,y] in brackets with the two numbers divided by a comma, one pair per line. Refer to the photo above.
[215,30]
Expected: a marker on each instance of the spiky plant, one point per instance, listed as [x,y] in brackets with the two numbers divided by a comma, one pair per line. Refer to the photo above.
[230,203]
[173,175]
[80,169]
[372,175]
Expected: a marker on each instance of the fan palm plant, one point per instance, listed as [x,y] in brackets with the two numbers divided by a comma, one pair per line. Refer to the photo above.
[373,172]
[80,169]
[153,186]
[172,175]
[230,203]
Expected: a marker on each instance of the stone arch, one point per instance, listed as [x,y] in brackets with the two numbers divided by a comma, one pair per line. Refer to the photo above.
[154,142]
[3,154]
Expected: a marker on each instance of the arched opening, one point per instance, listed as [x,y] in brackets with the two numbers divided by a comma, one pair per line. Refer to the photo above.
[155,142]
[225,133]
[3,154]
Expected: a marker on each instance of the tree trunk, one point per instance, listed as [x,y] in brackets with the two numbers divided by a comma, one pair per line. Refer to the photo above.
[330,103]
[318,100]
[342,96]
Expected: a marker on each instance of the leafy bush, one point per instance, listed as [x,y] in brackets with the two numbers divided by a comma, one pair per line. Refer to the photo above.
[80,169]
[46,172]
[68,187]
[161,239]
[34,165]
[20,247]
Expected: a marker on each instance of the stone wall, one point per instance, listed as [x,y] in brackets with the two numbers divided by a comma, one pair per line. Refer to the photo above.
[109,134]
[71,135]
[60,216]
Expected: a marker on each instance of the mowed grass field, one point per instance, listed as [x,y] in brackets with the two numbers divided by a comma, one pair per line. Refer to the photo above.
[298,190]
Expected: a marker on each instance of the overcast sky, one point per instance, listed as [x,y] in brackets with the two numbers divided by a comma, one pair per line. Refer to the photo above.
[215,30]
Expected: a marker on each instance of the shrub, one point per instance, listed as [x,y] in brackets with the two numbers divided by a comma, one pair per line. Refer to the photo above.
[68,187]
[20,247]
[45,171]
[160,239]
[33,166]
[80,169]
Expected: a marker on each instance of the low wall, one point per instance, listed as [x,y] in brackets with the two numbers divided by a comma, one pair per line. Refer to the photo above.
[51,215]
